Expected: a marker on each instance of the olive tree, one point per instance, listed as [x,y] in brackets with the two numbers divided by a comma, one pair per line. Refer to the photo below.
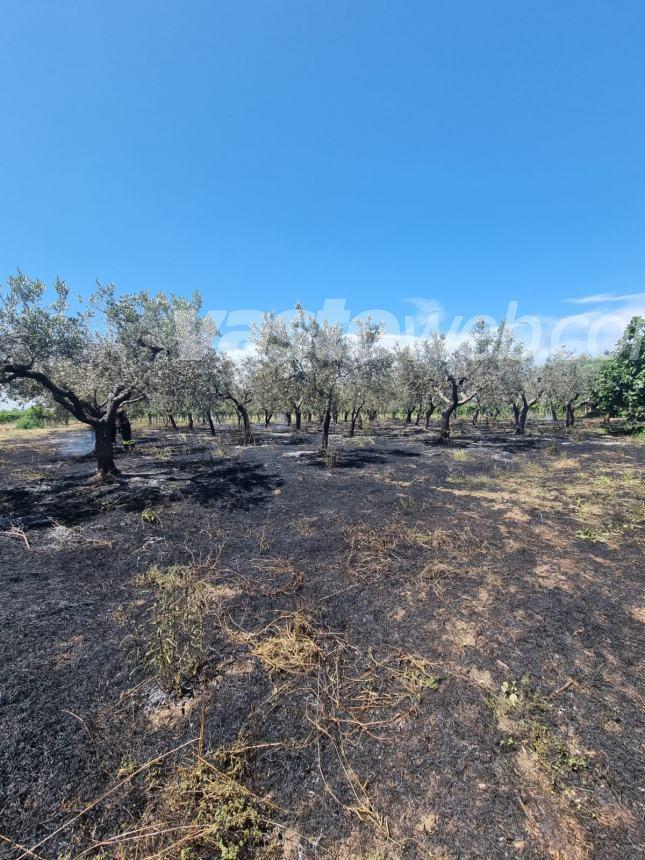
[92,362]
[368,367]
[267,387]
[319,358]
[408,379]
[459,375]
[234,383]
[283,349]
[569,381]
[520,382]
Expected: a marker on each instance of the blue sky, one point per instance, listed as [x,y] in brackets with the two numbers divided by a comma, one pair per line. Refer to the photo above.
[464,154]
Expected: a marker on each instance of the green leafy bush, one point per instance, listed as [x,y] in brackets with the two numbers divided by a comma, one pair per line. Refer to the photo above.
[8,416]
[32,418]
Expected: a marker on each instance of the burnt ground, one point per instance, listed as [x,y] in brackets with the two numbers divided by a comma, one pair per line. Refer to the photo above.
[408,651]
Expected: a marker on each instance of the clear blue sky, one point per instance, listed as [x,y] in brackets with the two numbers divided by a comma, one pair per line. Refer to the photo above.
[267,152]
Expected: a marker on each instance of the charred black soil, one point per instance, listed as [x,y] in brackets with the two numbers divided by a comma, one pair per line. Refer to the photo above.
[404,650]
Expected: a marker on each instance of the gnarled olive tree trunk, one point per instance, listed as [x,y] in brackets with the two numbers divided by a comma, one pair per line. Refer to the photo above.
[520,421]
[243,414]
[451,405]
[104,433]
[123,426]
[446,414]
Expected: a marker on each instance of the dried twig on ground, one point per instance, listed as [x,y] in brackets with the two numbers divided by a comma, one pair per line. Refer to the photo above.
[17,532]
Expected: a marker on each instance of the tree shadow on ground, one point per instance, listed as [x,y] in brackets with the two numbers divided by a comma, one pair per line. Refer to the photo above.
[241,486]
[348,460]
[74,500]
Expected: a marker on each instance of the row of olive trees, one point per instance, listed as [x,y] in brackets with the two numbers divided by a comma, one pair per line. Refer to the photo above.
[95,358]
[307,362]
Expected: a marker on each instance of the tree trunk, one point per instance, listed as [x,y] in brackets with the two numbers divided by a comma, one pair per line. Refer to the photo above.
[416,423]
[298,419]
[104,432]
[444,435]
[243,413]
[352,426]
[125,428]
[408,416]
[475,417]
[173,423]
[429,412]
[345,416]
[570,415]
[521,420]
[287,415]
[190,420]
[209,418]
[267,418]
[516,416]
[325,431]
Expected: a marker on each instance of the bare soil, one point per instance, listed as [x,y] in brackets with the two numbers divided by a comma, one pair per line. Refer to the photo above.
[420,650]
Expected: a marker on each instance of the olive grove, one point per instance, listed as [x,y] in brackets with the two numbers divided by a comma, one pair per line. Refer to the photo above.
[96,358]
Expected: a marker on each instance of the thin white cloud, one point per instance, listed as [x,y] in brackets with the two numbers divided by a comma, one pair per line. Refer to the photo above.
[427,309]
[602,298]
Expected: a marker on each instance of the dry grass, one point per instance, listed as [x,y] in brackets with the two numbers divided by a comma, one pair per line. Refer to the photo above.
[374,552]
[608,506]
[346,694]
[201,809]
[25,473]
[459,456]
[356,695]
[271,577]
[287,646]
[11,432]
[160,453]
[197,806]
[305,525]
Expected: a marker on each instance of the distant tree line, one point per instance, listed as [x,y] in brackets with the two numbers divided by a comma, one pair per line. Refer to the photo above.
[97,358]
